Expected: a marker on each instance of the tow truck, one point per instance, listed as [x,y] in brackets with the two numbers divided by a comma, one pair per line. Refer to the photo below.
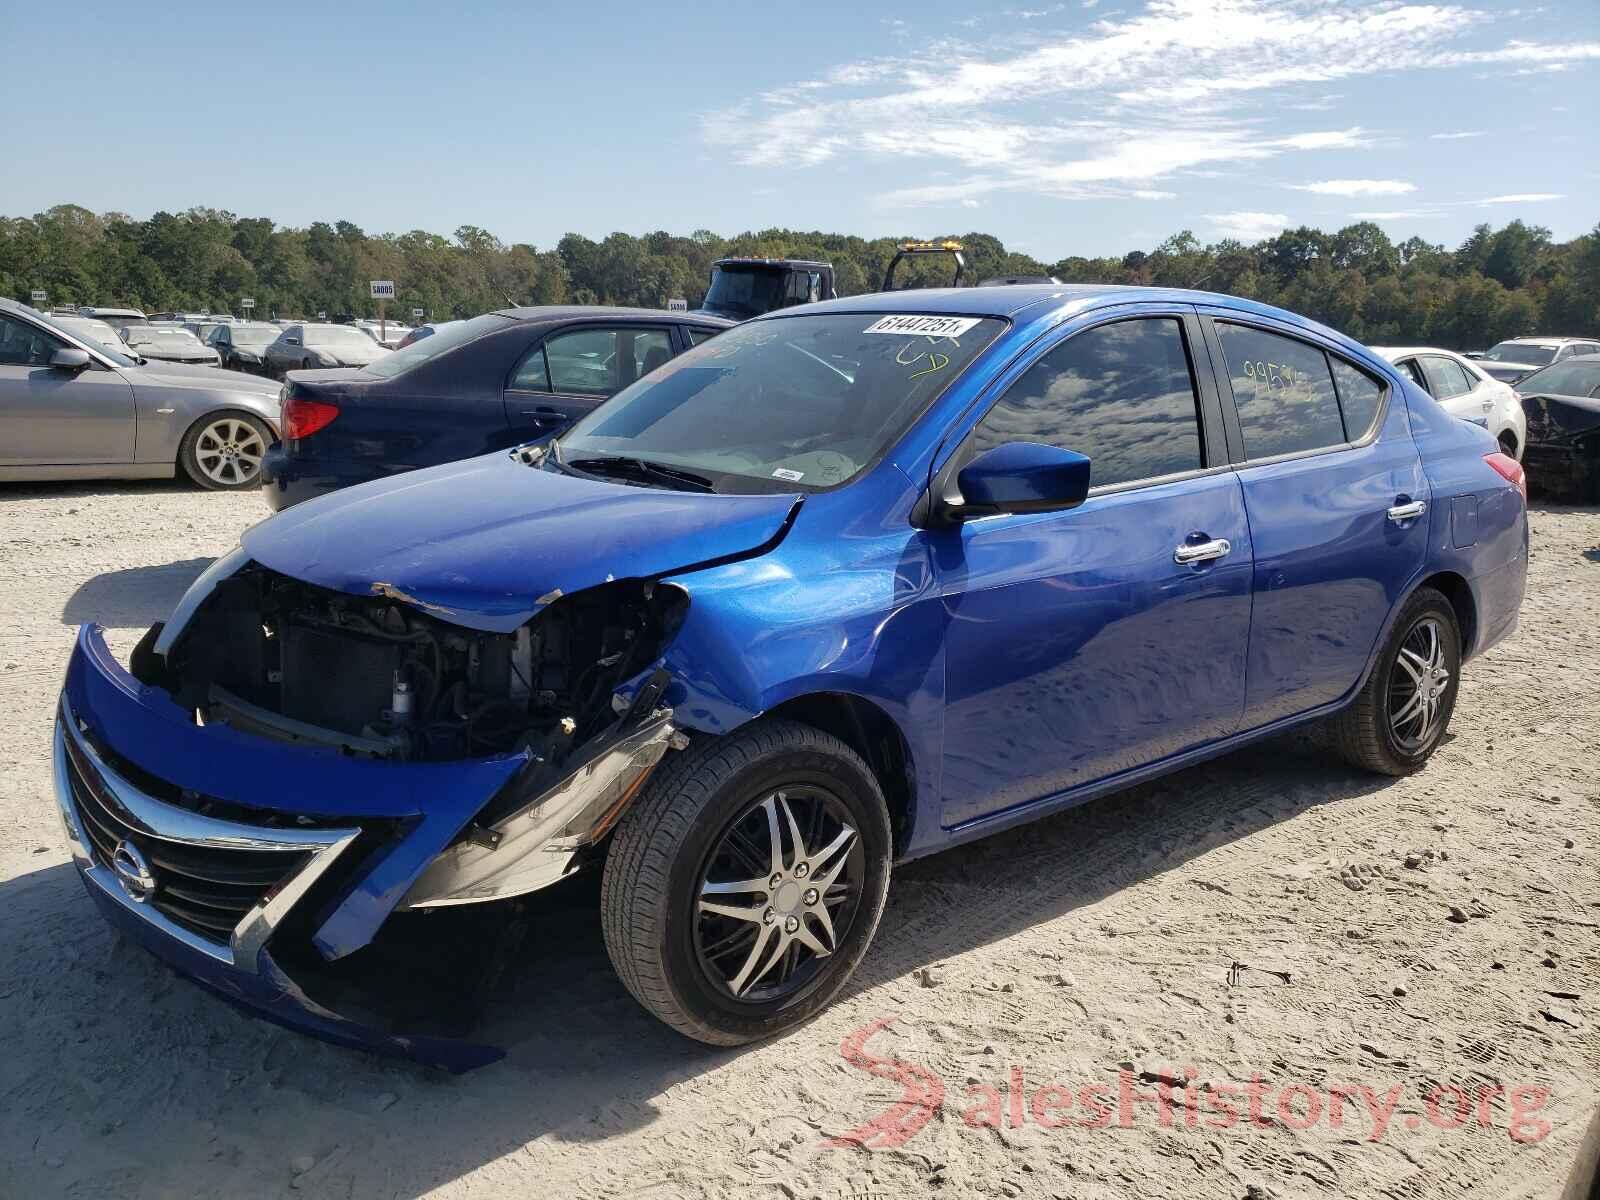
[742,288]
[912,250]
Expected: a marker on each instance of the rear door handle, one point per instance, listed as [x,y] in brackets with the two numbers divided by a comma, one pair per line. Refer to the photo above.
[545,414]
[1193,552]
[1401,513]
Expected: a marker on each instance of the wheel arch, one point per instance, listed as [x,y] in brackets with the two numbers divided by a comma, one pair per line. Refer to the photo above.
[1458,592]
[871,732]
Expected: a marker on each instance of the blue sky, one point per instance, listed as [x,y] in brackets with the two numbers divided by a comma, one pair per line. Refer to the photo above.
[1084,127]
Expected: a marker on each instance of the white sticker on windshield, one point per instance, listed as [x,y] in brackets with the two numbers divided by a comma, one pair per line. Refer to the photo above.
[929,326]
[785,473]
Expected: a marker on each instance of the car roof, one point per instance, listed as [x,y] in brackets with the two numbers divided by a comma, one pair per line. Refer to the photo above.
[1012,300]
[1541,341]
[1393,352]
[573,312]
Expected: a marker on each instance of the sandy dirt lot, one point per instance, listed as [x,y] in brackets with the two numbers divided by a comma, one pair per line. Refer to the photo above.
[1399,940]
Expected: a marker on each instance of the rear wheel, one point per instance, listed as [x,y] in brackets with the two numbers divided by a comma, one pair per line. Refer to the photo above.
[223,451]
[1400,716]
[744,886]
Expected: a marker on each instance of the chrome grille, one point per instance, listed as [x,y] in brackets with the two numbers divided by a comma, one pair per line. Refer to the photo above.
[208,890]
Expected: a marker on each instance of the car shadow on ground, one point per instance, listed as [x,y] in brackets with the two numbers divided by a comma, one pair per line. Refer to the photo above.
[94,1024]
[134,598]
[69,489]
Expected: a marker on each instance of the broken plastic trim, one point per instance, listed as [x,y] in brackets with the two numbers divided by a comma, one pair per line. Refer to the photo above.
[539,844]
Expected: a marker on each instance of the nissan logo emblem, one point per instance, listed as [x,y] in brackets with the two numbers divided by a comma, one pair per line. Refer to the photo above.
[132,872]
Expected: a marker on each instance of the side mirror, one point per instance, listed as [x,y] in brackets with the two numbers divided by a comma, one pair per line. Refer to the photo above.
[70,360]
[1021,477]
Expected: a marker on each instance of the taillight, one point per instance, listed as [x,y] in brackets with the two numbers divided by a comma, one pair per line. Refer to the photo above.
[1510,470]
[302,418]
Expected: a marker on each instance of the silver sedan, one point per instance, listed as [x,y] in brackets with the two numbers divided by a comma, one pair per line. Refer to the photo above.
[74,408]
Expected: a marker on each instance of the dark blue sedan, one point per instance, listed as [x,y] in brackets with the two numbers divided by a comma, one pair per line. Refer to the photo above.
[504,378]
[847,585]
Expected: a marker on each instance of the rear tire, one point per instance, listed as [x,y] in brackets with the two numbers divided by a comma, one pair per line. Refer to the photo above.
[1400,715]
[223,450]
[706,817]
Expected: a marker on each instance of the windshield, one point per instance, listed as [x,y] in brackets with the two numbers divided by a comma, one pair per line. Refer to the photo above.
[1575,377]
[337,335]
[87,329]
[146,336]
[253,335]
[1521,352]
[791,404]
[748,291]
[445,338]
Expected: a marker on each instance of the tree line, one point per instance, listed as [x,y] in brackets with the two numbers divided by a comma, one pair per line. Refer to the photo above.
[1497,283]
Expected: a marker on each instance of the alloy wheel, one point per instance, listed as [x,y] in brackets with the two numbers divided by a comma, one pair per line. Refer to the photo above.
[1418,684]
[228,451]
[778,894]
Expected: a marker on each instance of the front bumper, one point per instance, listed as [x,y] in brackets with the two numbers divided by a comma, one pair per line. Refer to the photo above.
[250,865]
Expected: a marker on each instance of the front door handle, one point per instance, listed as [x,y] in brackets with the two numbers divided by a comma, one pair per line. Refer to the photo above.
[1193,552]
[1402,513]
[545,415]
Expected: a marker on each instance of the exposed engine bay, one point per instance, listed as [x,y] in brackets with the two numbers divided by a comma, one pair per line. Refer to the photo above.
[377,676]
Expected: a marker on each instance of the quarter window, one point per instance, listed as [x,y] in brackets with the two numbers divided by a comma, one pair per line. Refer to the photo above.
[1360,395]
[1122,394]
[1283,392]
[696,336]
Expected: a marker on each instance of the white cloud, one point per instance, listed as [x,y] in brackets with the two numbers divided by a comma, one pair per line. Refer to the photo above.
[1355,187]
[1460,136]
[1520,198]
[1410,214]
[1152,194]
[1249,226]
[1113,108]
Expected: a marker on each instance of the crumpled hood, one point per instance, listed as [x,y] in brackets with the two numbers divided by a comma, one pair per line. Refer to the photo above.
[489,541]
[1553,418]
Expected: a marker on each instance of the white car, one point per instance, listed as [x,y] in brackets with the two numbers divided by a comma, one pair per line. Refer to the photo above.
[388,335]
[1465,390]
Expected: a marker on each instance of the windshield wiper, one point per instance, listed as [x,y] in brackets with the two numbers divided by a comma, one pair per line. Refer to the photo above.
[642,469]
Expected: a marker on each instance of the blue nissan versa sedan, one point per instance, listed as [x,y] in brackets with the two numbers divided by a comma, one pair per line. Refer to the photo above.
[843,586]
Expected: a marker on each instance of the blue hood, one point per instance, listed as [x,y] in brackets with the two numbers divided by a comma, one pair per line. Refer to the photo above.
[488,542]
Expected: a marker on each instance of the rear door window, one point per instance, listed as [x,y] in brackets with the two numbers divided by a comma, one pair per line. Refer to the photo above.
[1447,377]
[1283,391]
[1122,394]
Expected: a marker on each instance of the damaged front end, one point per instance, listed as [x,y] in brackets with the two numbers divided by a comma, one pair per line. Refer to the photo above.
[1563,451]
[289,770]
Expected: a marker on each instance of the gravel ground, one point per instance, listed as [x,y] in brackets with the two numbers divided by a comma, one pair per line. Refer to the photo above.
[1271,916]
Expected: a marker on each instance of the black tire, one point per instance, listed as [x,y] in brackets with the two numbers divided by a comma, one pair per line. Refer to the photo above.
[1367,732]
[1508,445]
[201,466]
[664,850]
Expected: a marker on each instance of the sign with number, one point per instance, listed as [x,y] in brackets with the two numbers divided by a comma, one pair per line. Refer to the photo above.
[247,302]
[416,314]
[38,296]
[383,289]
[322,314]
[677,304]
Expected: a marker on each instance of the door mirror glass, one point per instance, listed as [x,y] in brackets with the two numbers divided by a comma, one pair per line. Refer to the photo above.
[69,358]
[1022,477]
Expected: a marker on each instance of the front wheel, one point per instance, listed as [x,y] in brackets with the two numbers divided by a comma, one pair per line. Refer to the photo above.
[1400,716]
[745,884]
